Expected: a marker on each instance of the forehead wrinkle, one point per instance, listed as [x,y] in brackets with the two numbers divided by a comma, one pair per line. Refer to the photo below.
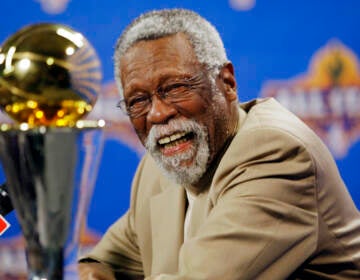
[137,84]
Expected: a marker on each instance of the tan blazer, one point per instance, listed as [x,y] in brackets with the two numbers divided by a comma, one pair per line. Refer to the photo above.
[276,208]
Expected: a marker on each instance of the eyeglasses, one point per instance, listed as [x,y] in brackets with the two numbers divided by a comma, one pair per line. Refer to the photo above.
[171,92]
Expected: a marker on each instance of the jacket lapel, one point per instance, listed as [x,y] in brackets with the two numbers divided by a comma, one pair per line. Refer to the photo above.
[167,228]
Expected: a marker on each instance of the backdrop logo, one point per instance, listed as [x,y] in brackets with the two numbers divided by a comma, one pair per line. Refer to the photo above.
[326,97]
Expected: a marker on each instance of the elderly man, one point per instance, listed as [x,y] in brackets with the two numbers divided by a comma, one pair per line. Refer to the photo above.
[225,191]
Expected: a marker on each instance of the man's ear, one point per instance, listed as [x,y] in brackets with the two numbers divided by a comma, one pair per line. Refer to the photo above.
[227,80]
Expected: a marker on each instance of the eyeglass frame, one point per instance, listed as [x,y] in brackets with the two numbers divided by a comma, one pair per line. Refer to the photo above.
[186,85]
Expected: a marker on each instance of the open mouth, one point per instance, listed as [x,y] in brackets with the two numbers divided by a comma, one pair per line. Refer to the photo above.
[175,139]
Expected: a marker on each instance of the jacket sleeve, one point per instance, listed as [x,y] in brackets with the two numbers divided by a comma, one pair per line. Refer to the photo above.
[262,223]
[119,247]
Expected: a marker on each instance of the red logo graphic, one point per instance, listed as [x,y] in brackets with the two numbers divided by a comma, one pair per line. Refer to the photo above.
[4,225]
[326,97]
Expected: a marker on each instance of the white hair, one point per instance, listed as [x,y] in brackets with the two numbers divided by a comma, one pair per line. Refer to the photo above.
[203,36]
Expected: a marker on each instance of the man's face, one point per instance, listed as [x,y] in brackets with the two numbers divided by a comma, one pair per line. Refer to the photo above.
[175,111]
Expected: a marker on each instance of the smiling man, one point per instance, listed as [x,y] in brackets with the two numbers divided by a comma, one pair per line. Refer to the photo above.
[226,190]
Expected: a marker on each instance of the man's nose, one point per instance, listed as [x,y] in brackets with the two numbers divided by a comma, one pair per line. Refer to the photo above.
[160,112]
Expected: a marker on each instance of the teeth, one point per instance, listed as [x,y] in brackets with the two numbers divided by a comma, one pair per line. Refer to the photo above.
[164,140]
[171,138]
[174,143]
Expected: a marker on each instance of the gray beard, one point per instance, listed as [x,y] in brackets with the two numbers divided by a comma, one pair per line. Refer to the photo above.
[171,165]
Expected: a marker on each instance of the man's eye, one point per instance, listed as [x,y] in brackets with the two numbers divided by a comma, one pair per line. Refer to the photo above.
[137,101]
[174,88]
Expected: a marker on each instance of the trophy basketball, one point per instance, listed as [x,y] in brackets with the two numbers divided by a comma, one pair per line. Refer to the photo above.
[49,80]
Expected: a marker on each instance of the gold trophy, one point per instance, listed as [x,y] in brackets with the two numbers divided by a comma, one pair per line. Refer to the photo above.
[49,79]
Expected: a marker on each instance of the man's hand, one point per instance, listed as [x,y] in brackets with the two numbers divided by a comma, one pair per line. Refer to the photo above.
[95,271]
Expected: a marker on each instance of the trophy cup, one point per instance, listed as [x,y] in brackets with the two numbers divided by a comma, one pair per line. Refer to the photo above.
[49,79]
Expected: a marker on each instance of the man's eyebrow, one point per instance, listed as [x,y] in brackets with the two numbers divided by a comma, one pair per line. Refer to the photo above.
[134,87]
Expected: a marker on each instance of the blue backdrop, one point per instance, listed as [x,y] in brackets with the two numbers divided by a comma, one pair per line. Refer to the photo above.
[281,48]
